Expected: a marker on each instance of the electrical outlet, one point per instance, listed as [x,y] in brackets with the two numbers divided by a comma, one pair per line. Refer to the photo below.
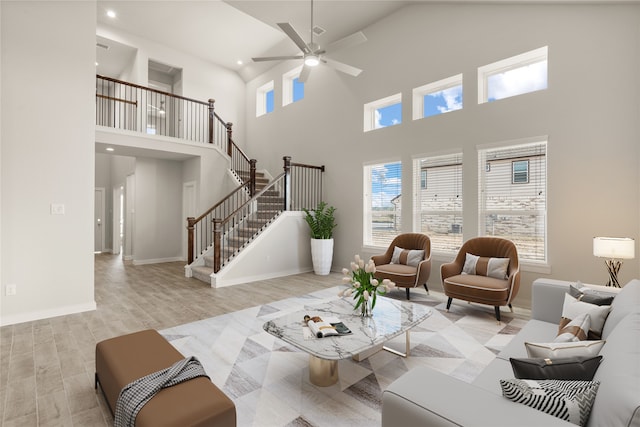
[10,289]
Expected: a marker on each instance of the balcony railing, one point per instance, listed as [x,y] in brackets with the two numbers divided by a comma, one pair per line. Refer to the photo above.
[127,106]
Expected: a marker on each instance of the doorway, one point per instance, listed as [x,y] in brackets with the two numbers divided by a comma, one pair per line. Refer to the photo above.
[98,220]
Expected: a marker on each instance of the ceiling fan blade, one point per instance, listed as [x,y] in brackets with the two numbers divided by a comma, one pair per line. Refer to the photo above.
[293,35]
[349,41]
[276,58]
[340,66]
[304,74]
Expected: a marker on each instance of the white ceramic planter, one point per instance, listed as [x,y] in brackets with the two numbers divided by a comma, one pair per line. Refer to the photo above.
[322,255]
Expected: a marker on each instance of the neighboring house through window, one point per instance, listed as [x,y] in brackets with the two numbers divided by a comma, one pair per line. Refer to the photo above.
[513,199]
[438,200]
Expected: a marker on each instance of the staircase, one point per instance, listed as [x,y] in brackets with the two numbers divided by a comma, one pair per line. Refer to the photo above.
[268,206]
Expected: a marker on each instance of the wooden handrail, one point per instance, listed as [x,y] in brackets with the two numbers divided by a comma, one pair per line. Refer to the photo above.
[152,90]
[228,196]
[111,98]
[251,200]
[302,165]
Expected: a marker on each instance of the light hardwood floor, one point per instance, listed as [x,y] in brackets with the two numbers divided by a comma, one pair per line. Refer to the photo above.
[47,366]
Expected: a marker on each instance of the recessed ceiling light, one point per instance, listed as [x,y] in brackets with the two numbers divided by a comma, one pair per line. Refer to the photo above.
[240,62]
[109,149]
[96,63]
[111,14]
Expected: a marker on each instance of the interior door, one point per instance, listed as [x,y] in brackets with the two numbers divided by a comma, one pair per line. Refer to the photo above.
[98,226]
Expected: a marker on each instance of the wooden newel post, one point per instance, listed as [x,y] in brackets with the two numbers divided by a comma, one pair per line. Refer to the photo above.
[212,117]
[287,183]
[190,227]
[217,243]
[252,177]
[229,127]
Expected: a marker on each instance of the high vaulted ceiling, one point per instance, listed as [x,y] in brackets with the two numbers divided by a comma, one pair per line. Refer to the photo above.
[225,32]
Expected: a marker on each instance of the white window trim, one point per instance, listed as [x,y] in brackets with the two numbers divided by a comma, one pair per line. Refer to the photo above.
[287,85]
[366,198]
[420,92]
[521,60]
[543,267]
[371,107]
[261,98]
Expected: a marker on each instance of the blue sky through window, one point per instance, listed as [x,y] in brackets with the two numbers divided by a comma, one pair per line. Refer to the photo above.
[298,90]
[386,184]
[270,101]
[530,78]
[389,115]
[443,101]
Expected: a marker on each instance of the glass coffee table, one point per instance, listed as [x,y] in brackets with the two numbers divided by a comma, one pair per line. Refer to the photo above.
[390,319]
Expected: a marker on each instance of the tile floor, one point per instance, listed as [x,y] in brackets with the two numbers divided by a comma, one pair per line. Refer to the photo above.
[47,366]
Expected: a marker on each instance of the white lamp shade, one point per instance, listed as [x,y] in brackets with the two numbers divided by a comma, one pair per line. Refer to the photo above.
[614,247]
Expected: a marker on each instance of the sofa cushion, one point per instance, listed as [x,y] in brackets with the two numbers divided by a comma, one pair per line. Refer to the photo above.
[576,330]
[567,400]
[573,308]
[618,400]
[410,257]
[564,349]
[562,368]
[627,301]
[585,294]
[533,331]
[485,266]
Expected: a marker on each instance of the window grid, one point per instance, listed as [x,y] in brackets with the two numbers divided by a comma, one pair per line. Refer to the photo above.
[515,211]
[382,203]
[438,207]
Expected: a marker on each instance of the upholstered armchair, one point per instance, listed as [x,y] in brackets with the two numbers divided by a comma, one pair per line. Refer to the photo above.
[489,275]
[407,261]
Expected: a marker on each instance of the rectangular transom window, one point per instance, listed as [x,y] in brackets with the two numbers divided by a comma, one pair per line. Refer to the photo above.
[292,88]
[438,204]
[509,207]
[382,203]
[437,97]
[264,99]
[383,112]
[513,76]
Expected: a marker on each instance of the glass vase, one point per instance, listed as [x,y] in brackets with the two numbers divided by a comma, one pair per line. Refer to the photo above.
[365,308]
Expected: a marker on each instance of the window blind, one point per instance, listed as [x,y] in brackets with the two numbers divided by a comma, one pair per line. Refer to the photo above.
[515,209]
[438,200]
[382,203]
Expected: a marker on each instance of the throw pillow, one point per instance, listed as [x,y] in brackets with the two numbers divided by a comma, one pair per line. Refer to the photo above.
[576,330]
[568,400]
[572,308]
[484,266]
[406,256]
[563,368]
[564,349]
[584,294]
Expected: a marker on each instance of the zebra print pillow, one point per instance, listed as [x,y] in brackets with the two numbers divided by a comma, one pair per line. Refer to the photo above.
[568,400]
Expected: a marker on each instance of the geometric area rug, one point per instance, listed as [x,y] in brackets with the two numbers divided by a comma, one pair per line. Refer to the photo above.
[268,379]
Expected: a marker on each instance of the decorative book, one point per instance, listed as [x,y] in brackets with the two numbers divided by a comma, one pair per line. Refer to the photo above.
[327,327]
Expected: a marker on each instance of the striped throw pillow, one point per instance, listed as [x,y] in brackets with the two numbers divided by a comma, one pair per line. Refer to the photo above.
[407,256]
[568,400]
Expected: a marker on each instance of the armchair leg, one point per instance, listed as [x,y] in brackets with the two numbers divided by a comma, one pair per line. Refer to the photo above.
[407,293]
[449,303]
[510,307]
[497,309]
[425,288]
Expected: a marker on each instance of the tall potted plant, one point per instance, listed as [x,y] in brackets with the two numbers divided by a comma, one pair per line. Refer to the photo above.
[321,221]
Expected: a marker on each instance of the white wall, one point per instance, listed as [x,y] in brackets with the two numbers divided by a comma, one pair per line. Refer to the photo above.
[201,80]
[589,112]
[48,124]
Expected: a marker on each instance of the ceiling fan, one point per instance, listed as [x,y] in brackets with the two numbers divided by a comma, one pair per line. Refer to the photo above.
[313,55]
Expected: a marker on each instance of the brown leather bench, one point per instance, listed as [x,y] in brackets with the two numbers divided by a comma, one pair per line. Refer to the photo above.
[197,402]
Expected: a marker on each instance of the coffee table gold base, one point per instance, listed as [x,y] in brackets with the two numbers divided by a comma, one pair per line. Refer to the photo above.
[322,372]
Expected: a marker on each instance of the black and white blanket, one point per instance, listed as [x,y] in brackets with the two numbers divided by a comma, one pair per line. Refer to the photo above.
[136,394]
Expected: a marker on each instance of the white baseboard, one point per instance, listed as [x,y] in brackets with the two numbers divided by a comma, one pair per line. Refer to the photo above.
[156,261]
[46,314]
[220,282]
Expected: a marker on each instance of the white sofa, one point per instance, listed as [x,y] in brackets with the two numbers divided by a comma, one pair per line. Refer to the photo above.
[424,397]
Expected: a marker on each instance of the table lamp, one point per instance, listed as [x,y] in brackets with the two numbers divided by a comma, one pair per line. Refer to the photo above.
[614,249]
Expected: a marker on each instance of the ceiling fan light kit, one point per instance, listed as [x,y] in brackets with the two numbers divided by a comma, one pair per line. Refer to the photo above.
[313,55]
